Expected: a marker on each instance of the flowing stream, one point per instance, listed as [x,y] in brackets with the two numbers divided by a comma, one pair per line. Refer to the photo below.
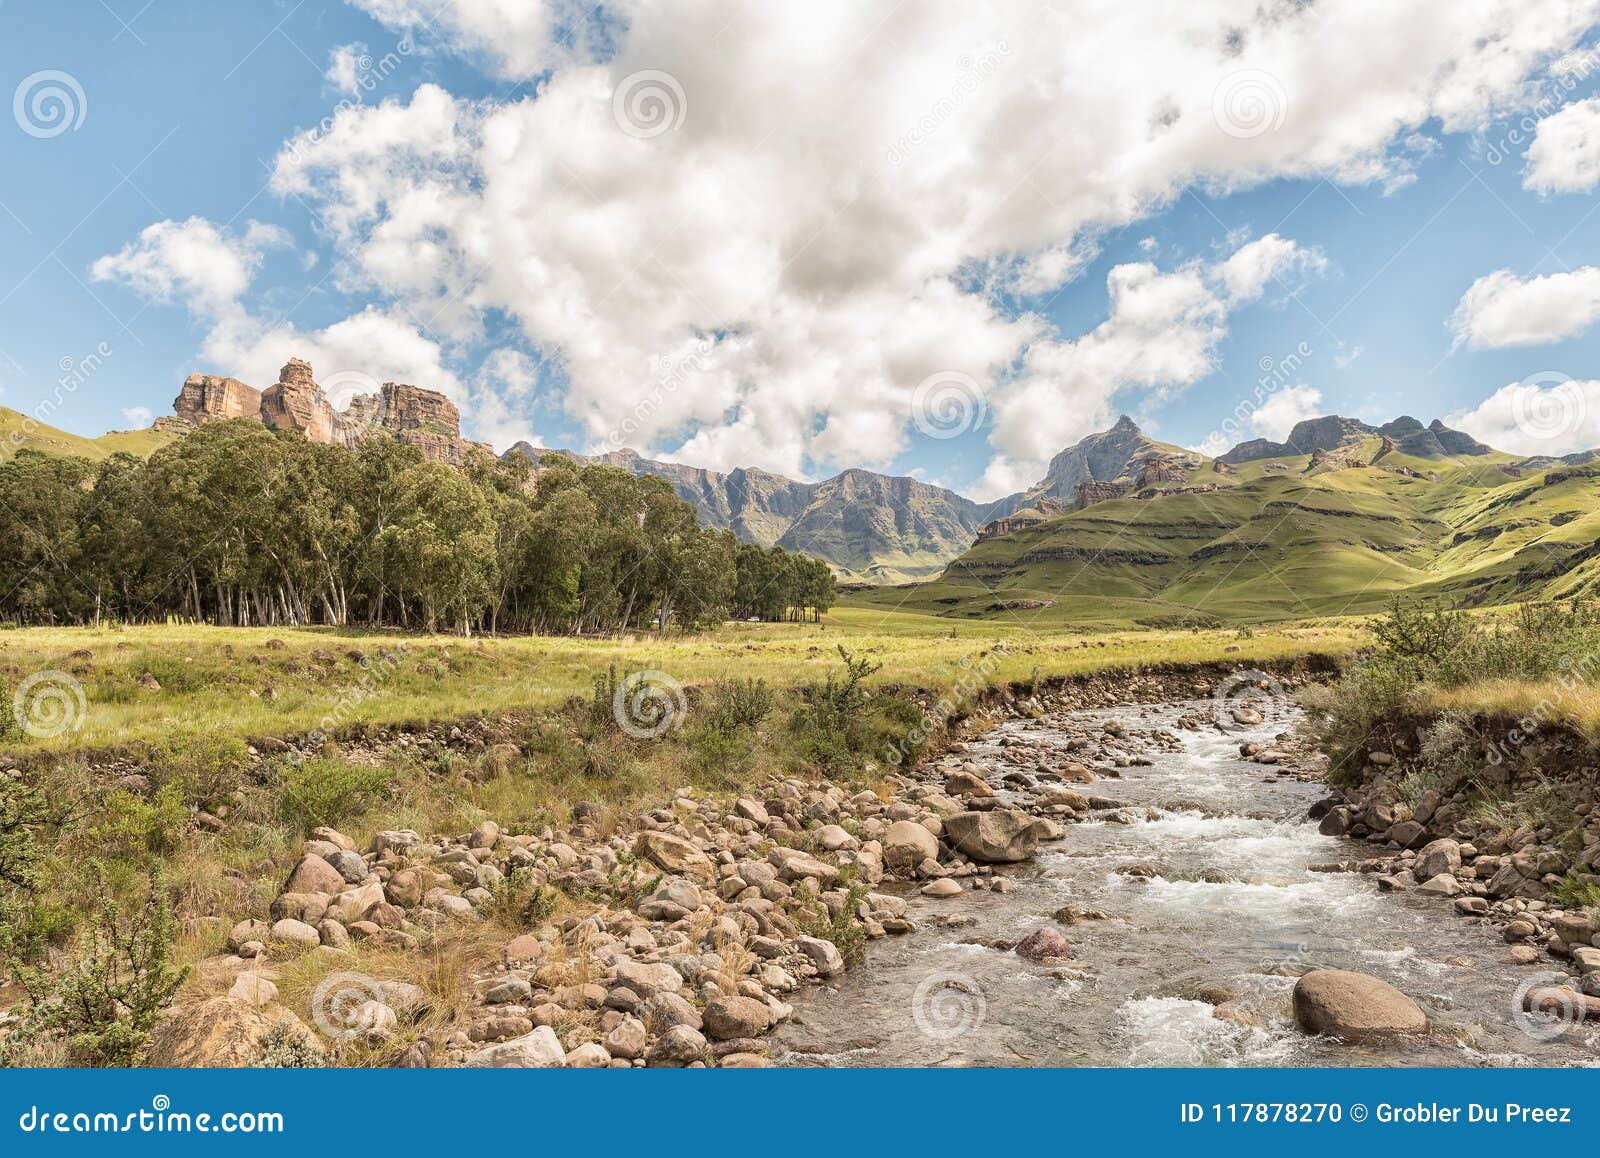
[1234,914]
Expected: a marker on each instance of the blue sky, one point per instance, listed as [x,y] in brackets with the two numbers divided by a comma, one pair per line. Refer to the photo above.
[516,309]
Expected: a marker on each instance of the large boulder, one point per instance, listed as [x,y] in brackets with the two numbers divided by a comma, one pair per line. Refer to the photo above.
[1354,1007]
[222,1032]
[540,1049]
[1437,856]
[673,854]
[907,844]
[730,1018]
[1003,836]
[314,875]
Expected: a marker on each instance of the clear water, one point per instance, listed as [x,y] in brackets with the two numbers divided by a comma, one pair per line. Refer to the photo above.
[1134,993]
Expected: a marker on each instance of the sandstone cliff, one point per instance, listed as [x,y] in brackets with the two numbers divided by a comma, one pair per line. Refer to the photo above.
[423,418]
[209,398]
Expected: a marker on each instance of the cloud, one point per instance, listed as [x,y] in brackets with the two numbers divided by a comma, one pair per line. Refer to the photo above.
[795,214]
[1501,309]
[346,65]
[1273,418]
[1564,156]
[190,261]
[1246,274]
[137,417]
[1548,414]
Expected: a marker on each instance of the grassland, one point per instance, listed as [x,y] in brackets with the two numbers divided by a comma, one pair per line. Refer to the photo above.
[17,431]
[1285,539]
[258,682]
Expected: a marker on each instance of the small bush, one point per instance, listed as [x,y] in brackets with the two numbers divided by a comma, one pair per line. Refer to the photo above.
[738,704]
[208,767]
[847,933]
[110,992]
[287,1046]
[132,828]
[327,791]
[520,900]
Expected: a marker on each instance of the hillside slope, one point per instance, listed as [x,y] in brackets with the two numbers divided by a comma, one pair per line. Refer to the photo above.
[18,431]
[1339,530]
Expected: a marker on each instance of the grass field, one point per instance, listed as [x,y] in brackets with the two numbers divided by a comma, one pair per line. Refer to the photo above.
[254,682]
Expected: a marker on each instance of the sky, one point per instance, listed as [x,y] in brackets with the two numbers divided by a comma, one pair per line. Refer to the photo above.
[937,239]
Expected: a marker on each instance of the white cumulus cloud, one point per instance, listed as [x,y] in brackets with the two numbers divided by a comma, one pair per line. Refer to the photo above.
[1547,414]
[1502,309]
[1564,156]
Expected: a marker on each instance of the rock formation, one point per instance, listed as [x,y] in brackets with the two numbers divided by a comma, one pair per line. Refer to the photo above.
[209,398]
[425,419]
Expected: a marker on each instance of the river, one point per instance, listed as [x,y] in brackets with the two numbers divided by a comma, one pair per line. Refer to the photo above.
[1233,914]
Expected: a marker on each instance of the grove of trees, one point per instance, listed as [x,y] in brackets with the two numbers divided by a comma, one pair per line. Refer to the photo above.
[234,524]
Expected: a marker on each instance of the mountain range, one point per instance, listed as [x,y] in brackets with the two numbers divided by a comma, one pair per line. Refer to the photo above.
[1114,501]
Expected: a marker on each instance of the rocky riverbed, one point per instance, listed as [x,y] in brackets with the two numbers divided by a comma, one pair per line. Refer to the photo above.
[1202,919]
[1074,885]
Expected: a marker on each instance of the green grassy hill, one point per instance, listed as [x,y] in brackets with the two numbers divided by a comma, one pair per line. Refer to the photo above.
[17,432]
[1322,534]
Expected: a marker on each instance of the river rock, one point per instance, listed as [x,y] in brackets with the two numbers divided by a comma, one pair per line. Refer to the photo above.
[628,1039]
[824,955]
[907,844]
[1042,944]
[680,1045]
[727,1018]
[1354,1007]
[1438,856]
[964,783]
[540,1049]
[1003,836]
[221,1032]
[1443,885]
[1407,834]
[942,888]
[675,855]
[314,875]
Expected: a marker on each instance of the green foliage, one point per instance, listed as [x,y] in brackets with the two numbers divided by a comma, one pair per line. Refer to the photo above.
[22,812]
[738,703]
[287,1046]
[829,725]
[326,791]
[109,993]
[846,931]
[1575,891]
[521,900]
[237,524]
[207,766]
[132,827]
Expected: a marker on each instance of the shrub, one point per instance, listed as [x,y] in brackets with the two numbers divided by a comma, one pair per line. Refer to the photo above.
[287,1046]
[22,812]
[208,767]
[521,900]
[736,704]
[112,989]
[327,791]
[848,934]
[132,827]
